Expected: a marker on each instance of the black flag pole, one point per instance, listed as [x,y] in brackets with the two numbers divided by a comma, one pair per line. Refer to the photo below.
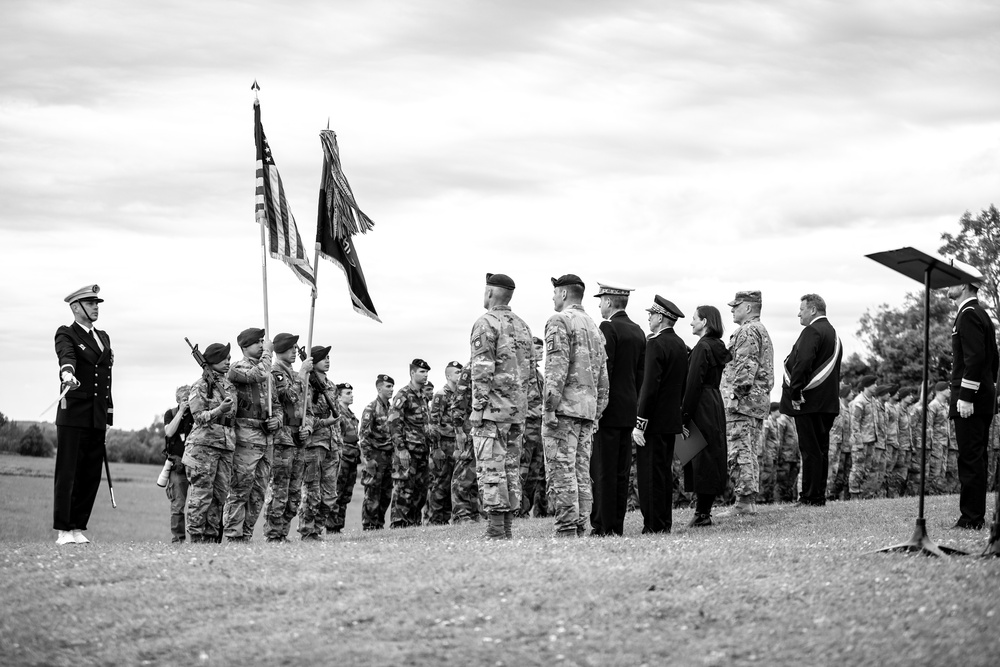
[935,273]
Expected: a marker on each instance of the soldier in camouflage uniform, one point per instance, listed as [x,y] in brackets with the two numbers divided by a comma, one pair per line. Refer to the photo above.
[885,442]
[322,455]
[863,437]
[532,454]
[442,460]
[786,463]
[576,393]
[412,434]
[465,504]
[258,416]
[897,476]
[917,453]
[840,448]
[177,425]
[502,359]
[746,388]
[769,456]
[938,439]
[350,456]
[376,456]
[208,452]
[284,492]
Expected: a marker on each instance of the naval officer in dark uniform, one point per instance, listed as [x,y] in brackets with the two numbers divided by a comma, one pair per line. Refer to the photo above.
[611,459]
[973,399]
[659,416]
[83,416]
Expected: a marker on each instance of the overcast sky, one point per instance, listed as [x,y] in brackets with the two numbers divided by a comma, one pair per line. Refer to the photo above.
[687,149]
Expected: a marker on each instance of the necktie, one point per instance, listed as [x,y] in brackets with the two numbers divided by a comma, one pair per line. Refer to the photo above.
[97,339]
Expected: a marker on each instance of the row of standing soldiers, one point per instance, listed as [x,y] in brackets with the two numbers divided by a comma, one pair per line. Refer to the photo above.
[237,449]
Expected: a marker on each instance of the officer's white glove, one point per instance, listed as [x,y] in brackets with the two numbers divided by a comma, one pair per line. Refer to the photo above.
[68,378]
[965,409]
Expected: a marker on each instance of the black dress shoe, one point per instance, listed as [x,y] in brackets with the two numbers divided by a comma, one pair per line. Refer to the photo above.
[700,521]
[965,525]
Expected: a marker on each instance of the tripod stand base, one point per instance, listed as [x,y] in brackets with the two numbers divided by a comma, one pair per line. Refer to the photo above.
[924,545]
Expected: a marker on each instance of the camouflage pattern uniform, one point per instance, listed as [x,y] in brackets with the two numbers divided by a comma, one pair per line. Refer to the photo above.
[376,456]
[502,368]
[532,455]
[863,436]
[876,464]
[840,453]
[347,476]
[208,457]
[891,425]
[254,445]
[746,389]
[465,503]
[938,438]
[768,459]
[284,492]
[916,453]
[409,424]
[897,476]
[951,482]
[992,454]
[322,457]
[576,390]
[442,459]
[633,490]
[786,463]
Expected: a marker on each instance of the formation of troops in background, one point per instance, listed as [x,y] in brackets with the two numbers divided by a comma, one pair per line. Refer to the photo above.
[581,425]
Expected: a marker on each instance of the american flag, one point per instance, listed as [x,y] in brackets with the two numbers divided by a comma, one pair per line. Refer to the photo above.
[273,212]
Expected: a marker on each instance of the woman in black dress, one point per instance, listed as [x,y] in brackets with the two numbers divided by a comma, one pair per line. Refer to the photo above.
[706,474]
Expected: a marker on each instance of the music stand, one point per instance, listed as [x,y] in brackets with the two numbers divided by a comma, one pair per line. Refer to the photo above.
[934,272]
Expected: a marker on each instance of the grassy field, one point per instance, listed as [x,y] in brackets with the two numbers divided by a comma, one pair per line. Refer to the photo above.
[790,586]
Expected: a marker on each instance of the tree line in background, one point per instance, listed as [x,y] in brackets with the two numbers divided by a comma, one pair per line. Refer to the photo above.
[894,338]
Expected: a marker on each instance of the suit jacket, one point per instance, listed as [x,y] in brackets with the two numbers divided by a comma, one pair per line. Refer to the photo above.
[974,360]
[625,344]
[90,404]
[663,381]
[815,356]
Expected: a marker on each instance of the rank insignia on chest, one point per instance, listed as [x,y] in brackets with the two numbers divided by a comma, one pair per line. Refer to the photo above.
[83,347]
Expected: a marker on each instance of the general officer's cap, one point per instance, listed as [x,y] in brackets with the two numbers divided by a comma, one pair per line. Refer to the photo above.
[250,336]
[665,307]
[283,342]
[567,279]
[344,385]
[85,293]
[750,296]
[612,290]
[419,363]
[216,352]
[382,378]
[867,381]
[453,364]
[499,280]
[319,353]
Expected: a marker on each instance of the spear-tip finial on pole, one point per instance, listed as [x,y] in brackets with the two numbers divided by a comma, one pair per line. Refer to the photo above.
[328,122]
[255,87]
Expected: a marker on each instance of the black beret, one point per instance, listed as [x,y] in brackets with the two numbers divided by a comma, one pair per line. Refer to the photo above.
[665,307]
[907,391]
[382,378]
[845,391]
[344,385]
[319,353]
[537,341]
[419,363]
[499,280]
[567,279]
[884,390]
[867,381]
[216,352]
[941,386]
[454,364]
[283,342]
[250,336]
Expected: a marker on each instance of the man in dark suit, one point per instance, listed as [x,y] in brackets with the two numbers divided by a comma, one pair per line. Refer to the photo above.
[973,399]
[83,416]
[659,416]
[611,459]
[810,393]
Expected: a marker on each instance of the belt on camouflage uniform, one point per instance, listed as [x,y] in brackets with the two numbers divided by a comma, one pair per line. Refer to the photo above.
[228,421]
[293,421]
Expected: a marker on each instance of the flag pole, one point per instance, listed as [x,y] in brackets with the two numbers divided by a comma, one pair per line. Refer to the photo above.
[263,267]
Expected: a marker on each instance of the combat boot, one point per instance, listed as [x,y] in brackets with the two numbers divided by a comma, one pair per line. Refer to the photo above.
[495,529]
[700,521]
[508,522]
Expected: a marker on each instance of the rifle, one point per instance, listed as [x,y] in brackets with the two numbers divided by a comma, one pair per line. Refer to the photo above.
[205,368]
